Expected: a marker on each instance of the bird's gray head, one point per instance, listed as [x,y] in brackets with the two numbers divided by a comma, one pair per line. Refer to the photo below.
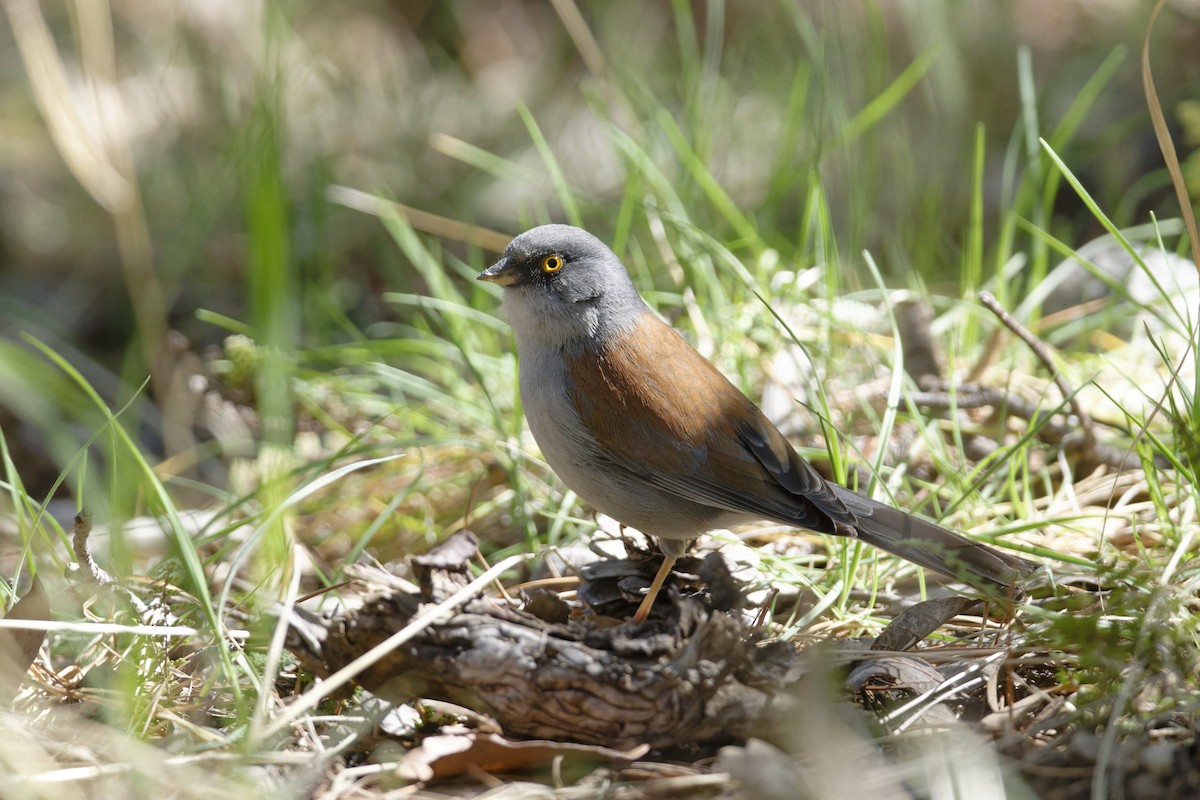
[564,288]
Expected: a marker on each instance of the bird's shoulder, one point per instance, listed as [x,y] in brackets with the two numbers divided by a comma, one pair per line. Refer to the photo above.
[648,377]
[655,406]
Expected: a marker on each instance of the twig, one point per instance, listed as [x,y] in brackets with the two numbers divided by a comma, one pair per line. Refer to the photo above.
[479,553]
[1040,350]
[153,614]
[83,529]
[479,557]
[939,395]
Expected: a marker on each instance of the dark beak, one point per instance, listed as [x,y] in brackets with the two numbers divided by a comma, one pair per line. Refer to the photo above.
[503,273]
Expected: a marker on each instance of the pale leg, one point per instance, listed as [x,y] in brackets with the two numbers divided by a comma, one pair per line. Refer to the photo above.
[655,586]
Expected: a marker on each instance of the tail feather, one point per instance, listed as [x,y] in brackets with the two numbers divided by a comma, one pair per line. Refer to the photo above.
[934,547]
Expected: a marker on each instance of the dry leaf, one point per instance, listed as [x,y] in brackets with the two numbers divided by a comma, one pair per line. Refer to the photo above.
[916,623]
[902,672]
[18,648]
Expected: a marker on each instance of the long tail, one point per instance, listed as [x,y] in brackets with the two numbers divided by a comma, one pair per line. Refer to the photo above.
[934,547]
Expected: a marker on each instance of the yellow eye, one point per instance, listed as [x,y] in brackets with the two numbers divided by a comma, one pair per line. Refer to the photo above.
[552,263]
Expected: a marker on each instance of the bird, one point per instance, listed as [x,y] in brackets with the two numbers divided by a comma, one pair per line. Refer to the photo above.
[647,431]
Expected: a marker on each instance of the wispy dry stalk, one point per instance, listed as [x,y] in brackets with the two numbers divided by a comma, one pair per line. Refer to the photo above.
[98,155]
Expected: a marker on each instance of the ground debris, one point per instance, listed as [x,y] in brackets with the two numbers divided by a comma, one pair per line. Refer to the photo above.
[697,676]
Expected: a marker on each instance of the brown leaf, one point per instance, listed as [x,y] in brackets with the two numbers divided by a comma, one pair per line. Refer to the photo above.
[18,648]
[449,755]
[884,676]
[916,623]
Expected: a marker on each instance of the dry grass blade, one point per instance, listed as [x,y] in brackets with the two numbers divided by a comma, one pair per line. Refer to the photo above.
[450,755]
[108,628]
[86,159]
[582,36]
[1165,143]
[421,220]
[98,155]
[274,652]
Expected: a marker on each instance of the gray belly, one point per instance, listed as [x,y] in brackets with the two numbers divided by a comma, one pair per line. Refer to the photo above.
[577,460]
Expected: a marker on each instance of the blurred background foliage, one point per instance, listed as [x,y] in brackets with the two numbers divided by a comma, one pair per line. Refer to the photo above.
[421,101]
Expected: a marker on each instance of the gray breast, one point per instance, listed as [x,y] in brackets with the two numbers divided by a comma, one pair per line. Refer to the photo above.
[578,460]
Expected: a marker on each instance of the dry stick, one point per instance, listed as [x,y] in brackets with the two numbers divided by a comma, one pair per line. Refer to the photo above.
[323,590]
[1043,353]
[431,616]
[153,613]
[83,529]
[966,395]
[541,583]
